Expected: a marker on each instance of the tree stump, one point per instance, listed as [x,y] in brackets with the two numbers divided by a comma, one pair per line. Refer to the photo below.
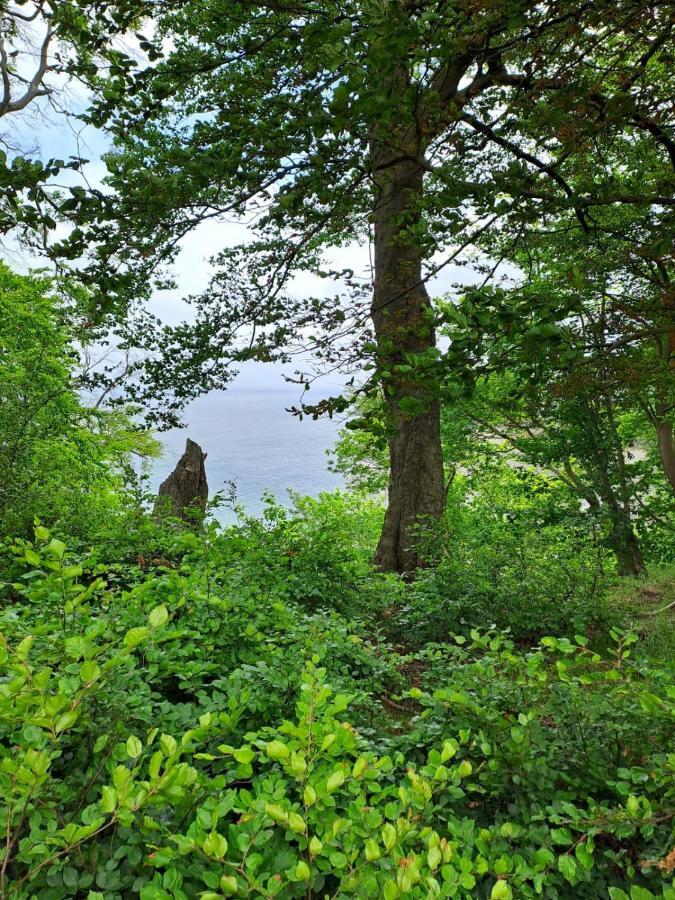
[184,493]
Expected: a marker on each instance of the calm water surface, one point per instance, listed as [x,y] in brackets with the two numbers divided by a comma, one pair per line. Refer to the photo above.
[252,441]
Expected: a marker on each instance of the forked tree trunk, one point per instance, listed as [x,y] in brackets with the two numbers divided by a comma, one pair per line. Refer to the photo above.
[400,314]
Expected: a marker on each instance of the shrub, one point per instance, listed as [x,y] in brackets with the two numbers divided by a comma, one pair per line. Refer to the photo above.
[196,735]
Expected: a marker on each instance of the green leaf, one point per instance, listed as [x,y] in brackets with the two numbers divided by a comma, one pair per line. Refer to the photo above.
[215,845]
[336,780]
[90,671]
[277,750]
[501,890]
[372,850]
[228,885]
[135,636]
[434,857]
[640,893]
[70,876]
[108,798]
[389,836]
[584,856]
[134,746]
[276,812]
[244,755]
[568,868]
[302,871]
[66,720]
[56,548]
[450,748]
[32,558]
[168,744]
[158,616]
[297,823]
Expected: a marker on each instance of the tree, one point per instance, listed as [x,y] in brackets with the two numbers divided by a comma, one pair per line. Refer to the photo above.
[45,46]
[556,368]
[337,122]
[60,460]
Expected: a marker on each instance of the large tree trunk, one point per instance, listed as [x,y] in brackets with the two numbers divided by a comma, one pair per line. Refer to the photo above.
[400,313]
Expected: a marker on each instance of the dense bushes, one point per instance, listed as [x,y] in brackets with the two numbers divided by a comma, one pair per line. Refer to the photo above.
[205,729]
[255,711]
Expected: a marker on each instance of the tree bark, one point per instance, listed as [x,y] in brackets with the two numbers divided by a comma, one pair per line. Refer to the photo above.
[401,317]
[624,543]
[665,439]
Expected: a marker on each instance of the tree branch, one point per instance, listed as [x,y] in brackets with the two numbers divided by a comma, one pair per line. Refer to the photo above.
[35,87]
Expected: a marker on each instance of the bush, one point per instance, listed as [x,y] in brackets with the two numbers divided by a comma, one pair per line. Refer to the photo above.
[201,733]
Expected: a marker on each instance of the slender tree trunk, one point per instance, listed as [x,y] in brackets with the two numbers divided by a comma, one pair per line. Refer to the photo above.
[665,438]
[625,546]
[614,492]
[400,313]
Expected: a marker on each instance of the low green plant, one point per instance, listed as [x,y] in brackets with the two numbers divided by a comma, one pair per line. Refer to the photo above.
[202,734]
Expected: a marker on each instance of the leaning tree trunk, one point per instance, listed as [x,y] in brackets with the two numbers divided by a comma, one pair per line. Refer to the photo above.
[400,313]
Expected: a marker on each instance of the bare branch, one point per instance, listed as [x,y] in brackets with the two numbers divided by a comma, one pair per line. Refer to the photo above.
[35,87]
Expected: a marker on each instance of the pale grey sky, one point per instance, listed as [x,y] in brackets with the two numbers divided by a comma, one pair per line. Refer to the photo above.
[57,137]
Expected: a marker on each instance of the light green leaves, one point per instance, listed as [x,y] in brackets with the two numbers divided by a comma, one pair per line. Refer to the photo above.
[32,558]
[277,750]
[568,867]
[336,780]
[276,812]
[135,636]
[56,548]
[108,798]
[434,857]
[297,823]
[465,768]
[168,744]
[66,720]
[90,671]
[158,616]
[134,747]
[244,755]
[389,836]
[315,846]
[302,871]
[215,845]
[450,748]
[372,850]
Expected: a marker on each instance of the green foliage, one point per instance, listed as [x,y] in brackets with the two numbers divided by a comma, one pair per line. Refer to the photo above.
[514,552]
[60,461]
[201,733]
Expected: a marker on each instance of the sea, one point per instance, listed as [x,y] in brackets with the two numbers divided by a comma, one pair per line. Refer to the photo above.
[254,447]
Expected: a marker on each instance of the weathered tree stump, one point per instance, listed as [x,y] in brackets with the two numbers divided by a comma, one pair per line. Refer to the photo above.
[185,492]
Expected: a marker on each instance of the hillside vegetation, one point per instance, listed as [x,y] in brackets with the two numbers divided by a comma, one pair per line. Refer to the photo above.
[254,710]
[454,677]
